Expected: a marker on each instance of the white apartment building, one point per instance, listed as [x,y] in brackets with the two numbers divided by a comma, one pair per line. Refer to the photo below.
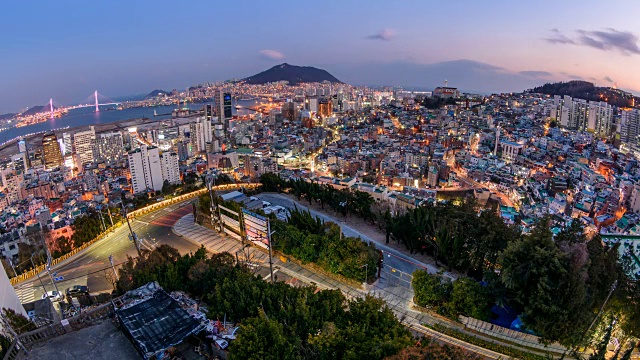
[593,116]
[84,142]
[629,127]
[170,168]
[145,168]
[200,134]
[109,147]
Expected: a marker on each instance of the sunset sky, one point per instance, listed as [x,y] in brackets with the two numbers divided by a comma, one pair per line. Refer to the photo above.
[68,49]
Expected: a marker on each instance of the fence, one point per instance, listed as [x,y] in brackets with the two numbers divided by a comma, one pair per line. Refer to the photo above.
[147,209]
[516,337]
[27,340]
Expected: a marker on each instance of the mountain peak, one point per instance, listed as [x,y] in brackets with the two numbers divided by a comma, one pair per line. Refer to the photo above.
[293,74]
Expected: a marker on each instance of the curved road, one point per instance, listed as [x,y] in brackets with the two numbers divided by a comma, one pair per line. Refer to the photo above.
[92,268]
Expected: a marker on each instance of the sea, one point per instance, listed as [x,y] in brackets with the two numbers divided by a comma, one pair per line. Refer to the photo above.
[88,116]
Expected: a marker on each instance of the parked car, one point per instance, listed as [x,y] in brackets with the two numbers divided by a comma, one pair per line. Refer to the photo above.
[77,290]
[222,344]
[232,333]
[53,295]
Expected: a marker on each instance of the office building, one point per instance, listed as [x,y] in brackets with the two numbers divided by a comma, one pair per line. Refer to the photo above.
[145,169]
[325,107]
[84,142]
[52,156]
[109,147]
[170,168]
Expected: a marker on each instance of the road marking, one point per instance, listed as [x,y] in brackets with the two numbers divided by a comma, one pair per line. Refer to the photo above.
[269,275]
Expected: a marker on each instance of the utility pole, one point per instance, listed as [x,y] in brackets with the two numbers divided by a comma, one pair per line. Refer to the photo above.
[38,274]
[211,182]
[110,218]
[269,233]
[12,267]
[366,267]
[115,274]
[132,234]
[104,227]
[48,267]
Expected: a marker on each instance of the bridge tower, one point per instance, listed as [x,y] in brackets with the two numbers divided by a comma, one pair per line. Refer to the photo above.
[95,94]
[51,108]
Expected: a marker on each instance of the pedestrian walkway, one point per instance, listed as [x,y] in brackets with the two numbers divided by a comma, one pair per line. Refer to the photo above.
[26,294]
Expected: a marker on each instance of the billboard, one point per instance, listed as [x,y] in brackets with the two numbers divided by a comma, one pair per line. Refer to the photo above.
[256,227]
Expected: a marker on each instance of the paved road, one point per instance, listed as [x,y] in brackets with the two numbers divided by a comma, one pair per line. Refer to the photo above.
[92,267]
[394,260]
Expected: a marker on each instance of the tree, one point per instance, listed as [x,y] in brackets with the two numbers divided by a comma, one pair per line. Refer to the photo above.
[428,349]
[262,338]
[430,289]
[470,298]
[18,322]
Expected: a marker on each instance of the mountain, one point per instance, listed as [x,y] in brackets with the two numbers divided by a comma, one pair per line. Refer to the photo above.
[38,109]
[585,90]
[293,74]
[157,92]
[7,116]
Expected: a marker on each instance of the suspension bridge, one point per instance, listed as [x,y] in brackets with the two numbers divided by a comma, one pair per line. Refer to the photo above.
[94,100]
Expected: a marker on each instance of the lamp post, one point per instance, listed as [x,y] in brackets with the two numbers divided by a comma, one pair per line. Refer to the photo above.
[366,267]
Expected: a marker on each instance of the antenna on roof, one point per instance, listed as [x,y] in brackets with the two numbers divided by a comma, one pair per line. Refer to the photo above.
[446,83]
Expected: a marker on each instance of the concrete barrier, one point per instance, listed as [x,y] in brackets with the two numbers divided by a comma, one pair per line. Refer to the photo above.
[145,210]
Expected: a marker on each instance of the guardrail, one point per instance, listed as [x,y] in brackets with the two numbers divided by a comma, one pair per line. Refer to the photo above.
[85,319]
[145,210]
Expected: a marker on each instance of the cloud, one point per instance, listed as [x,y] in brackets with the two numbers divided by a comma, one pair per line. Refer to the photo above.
[609,39]
[271,54]
[608,79]
[535,73]
[385,34]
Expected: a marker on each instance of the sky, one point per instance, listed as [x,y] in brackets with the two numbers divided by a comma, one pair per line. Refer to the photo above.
[67,49]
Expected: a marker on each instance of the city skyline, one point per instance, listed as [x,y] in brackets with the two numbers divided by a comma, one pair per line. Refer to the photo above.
[123,49]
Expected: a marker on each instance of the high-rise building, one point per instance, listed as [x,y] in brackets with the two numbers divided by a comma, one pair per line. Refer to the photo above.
[109,147]
[629,128]
[52,156]
[224,108]
[22,146]
[68,143]
[579,114]
[289,110]
[19,162]
[324,107]
[184,150]
[145,169]
[201,133]
[209,111]
[170,168]
[84,142]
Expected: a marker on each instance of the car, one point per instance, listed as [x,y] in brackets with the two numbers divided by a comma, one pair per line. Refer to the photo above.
[222,344]
[77,290]
[232,333]
[53,295]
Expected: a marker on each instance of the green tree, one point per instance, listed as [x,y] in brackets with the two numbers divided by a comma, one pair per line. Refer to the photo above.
[430,289]
[470,298]
[18,322]
[262,338]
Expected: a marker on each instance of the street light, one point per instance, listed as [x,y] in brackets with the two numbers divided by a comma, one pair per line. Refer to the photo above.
[366,267]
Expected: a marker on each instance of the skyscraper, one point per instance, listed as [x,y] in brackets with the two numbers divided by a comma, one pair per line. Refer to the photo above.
[68,143]
[170,168]
[84,142]
[201,133]
[52,155]
[223,102]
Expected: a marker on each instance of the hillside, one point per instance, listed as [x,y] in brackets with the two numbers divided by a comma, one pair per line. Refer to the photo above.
[157,92]
[293,74]
[588,91]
